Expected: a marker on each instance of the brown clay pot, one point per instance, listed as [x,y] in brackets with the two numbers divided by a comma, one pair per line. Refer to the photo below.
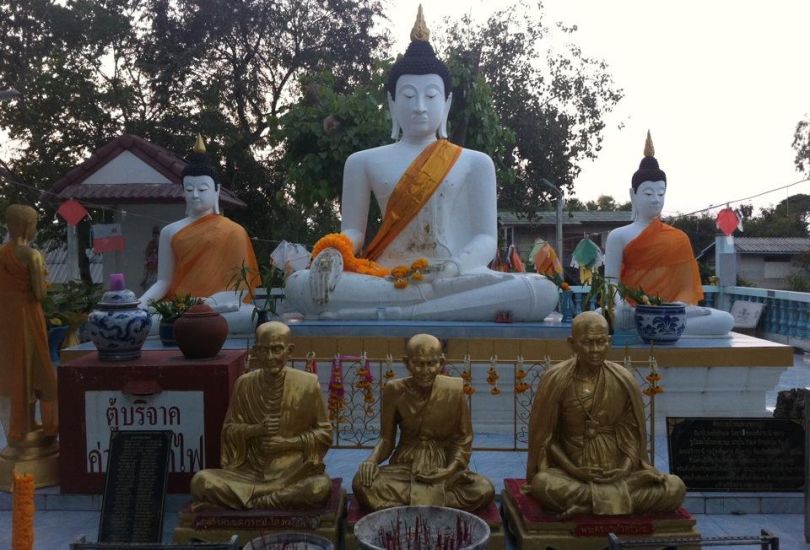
[200,332]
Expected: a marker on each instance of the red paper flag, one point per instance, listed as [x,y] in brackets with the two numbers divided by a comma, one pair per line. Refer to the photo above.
[107,237]
[727,221]
[72,211]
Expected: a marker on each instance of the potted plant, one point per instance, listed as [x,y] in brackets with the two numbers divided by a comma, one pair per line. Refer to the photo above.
[170,309]
[66,307]
[656,321]
[603,293]
[267,277]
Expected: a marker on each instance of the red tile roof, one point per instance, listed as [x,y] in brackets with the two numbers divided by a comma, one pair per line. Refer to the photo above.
[162,160]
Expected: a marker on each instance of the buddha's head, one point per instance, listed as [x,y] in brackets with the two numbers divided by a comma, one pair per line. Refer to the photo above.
[273,347]
[21,221]
[200,185]
[649,186]
[419,88]
[424,359]
[590,338]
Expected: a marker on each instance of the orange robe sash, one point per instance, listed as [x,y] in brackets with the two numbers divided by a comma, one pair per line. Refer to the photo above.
[420,180]
[26,372]
[661,262]
[207,254]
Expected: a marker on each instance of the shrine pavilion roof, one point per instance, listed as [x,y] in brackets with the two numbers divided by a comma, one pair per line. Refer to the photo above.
[161,163]
[772,245]
[549,217]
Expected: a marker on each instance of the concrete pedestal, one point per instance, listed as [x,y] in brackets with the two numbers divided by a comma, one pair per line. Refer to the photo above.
[162,390]
[218,526]
[534,528]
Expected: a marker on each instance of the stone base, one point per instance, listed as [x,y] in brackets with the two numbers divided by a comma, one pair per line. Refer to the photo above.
[41,462]
[220,525]
[535,529]
[490,514]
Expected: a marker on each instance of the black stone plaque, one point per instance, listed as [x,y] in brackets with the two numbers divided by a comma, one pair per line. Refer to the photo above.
[737,454]
[135,486]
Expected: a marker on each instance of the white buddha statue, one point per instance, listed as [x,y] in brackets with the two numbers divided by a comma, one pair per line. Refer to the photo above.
[199,254]
[651,255]
[439,205]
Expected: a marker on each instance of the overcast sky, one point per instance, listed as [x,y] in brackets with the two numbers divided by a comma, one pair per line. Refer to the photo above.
[721,84]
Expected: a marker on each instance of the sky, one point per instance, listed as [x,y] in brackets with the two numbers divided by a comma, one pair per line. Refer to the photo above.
[720,84]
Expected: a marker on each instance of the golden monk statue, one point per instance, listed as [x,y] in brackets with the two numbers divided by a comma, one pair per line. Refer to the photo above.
[429,464]
[588,446]
[26,372]
[200,254]
[274,438]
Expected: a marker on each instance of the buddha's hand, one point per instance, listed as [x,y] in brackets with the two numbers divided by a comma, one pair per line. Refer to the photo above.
[441,474]
[324,275]
[277,444]
[585,473]
[368,472]
[612,476]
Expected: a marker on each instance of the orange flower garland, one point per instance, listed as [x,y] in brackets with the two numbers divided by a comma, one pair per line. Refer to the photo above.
[344,245]
[22,522]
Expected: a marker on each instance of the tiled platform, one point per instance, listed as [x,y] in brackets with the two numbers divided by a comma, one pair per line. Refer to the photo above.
[61,517]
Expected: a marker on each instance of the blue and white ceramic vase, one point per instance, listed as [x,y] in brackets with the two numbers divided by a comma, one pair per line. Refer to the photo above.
[662,324]
[118,327]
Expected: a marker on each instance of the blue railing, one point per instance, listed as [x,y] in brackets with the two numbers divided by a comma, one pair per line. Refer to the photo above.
[785,317]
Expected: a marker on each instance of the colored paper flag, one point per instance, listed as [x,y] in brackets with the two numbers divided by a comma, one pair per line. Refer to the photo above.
[107,237]
[727,221]
[72,211]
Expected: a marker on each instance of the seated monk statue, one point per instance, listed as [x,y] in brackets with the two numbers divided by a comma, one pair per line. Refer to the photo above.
[200,254]
[588,442]
[428,465]
[651,255]
[275,435]
[26,372]
[439,212]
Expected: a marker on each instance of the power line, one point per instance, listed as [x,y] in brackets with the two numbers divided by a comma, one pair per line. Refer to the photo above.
[724,203]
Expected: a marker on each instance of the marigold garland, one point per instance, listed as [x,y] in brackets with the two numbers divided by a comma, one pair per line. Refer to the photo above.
[345,246]
[22,522]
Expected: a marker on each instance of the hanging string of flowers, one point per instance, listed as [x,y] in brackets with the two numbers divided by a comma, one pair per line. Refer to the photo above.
[365,384]
[653,378]
[336,390]
[520,376]
[311,365]
[389,368]
[492,375]
[466,375]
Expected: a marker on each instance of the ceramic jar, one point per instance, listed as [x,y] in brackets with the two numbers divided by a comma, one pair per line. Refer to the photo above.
[200,332]
[118,327]
[662,324]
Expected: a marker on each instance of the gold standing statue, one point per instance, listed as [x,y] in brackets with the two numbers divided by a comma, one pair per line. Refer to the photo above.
[429,464]
[588,446]
[274,438]
[26,372]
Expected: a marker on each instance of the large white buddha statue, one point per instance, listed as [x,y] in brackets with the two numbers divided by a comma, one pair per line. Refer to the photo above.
[651,255]
[439,208]
[200,254]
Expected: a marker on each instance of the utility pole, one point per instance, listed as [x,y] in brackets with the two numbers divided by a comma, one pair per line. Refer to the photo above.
[560,205]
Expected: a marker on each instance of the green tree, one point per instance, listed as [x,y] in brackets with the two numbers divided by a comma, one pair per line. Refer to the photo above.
[91,69]
[789,218]
[554,101]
